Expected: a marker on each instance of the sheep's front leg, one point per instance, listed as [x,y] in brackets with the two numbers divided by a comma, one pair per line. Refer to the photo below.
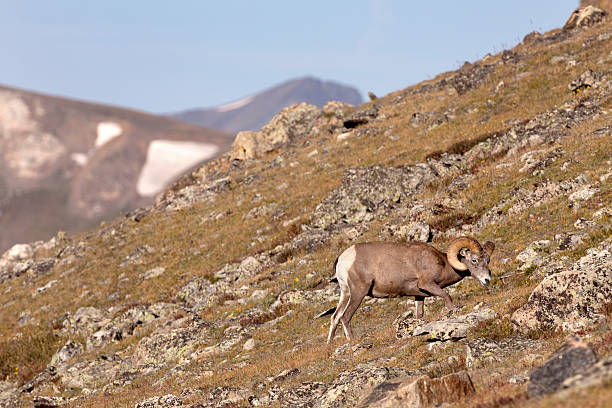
[435,290]
[419,306]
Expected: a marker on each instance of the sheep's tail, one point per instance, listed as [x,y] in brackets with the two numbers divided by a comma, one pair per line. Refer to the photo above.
[325,313]
[334,279]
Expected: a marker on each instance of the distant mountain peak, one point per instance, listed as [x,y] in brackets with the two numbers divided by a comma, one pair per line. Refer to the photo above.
[254,111]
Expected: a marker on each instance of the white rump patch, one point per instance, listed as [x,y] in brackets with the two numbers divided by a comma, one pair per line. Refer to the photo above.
[80,158]
[107,131]
[345,261]
[167,159]
[235,105]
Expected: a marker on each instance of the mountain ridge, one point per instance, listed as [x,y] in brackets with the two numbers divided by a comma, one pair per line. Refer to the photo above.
[254,111]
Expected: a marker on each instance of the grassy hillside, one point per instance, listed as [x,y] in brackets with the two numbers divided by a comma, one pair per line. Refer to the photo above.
[245,253]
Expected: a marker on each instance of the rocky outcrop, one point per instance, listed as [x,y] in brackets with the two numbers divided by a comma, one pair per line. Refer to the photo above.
[420,391]
[443,330]
[598,373]
[571,299]
[573,358]
[585,17]
[367,192]
[483,351]
[291,124]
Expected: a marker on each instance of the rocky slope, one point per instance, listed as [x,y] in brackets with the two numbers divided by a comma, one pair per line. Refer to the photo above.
[66,164]
[254,111]
[209,298]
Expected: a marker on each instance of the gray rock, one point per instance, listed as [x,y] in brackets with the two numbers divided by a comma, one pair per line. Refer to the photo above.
[346,389]
[360,117]
[449,329]
[291,124]
[49,402]
[249,345]
[364,192]
[68,351]
[40,267]
[571,299]
[413,231]
[420,391]
[165,401]
[137,256]
[571,359]
[18,252]
[483,351]
[302,396]
[153,273]
[165,346]
[598,373]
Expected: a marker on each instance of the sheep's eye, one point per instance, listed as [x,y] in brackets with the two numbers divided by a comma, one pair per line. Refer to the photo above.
[474,261]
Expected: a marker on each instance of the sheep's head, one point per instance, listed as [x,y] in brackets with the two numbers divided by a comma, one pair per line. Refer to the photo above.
[474,258]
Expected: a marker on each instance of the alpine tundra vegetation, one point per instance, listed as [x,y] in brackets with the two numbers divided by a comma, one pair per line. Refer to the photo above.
[207,297]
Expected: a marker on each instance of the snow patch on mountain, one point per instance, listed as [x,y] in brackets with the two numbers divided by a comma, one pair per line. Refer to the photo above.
[167,159]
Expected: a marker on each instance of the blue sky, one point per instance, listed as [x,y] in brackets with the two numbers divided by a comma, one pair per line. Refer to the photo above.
[165,56]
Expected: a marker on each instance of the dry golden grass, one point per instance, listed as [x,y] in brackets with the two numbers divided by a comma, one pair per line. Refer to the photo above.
[188,244]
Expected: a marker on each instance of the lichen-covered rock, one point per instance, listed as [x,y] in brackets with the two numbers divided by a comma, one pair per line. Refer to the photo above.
[483,351]
[18,252]
[165,401]
[170,345]
[367,191]
[585,17]
[573,358]
[68,351]
[93,373]
[361,117]
[346,389]
[598,373]
[448,329]
[522,199]
[421,391]
[413,231]
[534,254]
[49,402]
[291,124]
[571,299]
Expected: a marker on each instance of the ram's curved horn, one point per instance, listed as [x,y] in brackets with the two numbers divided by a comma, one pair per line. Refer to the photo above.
[454,248]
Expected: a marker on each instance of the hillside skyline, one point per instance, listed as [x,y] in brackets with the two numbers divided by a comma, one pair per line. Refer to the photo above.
[166,58]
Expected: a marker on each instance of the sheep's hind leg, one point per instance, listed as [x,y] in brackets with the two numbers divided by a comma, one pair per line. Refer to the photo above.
[335,319]
[355,298]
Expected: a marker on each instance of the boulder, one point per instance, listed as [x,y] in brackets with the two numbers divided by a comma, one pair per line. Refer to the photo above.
[18,252]
[48,402]
[598,373]
[346,389]
[365,192]
[572,299]
[361,117]
[421,391]
[588,79]
[68,351]
[291,124]
[448,329]
[482,351]
[573,358]
[165,401]
[585,17]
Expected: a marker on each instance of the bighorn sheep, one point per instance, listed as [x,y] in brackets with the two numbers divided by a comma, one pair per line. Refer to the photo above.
[390,269]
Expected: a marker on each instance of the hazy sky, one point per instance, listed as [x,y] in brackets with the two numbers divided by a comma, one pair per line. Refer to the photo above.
[165,56]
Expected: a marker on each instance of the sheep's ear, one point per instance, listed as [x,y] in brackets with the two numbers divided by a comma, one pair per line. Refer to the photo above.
[488,247]
[464,252]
